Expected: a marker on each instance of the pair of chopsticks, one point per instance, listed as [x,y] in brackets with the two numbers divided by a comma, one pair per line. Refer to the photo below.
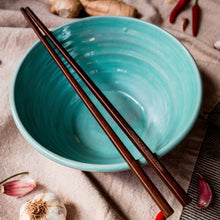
[174,187]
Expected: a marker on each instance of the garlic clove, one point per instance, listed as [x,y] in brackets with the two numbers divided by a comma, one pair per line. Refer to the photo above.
[185,22]
[217,45]
[18,188]
[205,196]
[43,206]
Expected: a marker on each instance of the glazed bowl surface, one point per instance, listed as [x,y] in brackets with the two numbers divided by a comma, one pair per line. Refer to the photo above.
[147,74]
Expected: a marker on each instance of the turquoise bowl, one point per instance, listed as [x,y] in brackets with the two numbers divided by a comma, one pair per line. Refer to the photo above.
[148,75]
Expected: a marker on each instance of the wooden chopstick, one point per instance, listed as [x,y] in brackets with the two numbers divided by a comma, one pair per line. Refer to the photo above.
[175,188]
[148,155]
[135,167]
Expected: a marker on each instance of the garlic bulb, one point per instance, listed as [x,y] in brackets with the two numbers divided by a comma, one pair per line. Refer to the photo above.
[44,206]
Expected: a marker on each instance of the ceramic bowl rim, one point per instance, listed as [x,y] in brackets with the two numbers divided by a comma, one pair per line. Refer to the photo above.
[104,167]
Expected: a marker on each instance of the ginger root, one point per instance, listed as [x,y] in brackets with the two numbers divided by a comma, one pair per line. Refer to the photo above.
[108,7]
[66,8]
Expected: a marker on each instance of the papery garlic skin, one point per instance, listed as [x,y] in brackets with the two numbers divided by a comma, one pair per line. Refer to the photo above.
[54,208]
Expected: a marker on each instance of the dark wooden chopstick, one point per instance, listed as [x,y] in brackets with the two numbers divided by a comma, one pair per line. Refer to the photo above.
[135,167]
[175,188]
[162,172]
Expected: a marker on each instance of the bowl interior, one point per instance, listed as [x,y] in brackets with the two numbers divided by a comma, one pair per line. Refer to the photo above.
[145,72]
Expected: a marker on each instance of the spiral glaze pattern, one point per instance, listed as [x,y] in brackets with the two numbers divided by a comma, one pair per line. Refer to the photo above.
[144,71]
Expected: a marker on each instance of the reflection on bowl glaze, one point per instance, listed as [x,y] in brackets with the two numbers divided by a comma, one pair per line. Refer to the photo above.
[146,73]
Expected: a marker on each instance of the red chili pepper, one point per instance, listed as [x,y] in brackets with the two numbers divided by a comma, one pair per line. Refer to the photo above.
[160,216]
[195,18]
[177,9]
